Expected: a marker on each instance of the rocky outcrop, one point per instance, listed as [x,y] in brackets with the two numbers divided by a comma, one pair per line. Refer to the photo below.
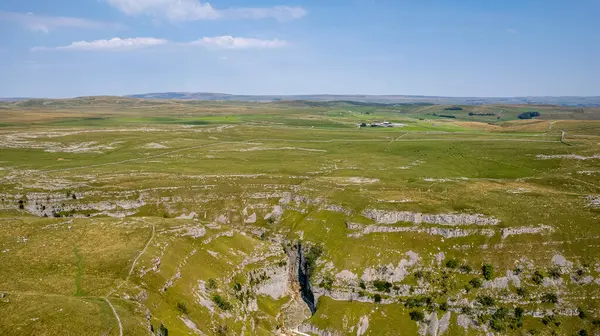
[561,261]
[309,328]
[542,229]
[393,217]
[567,156]
[390,272]
[276,285]
[444,232]
[363,326]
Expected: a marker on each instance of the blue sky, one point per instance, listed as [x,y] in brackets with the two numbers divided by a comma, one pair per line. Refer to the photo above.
[65,48]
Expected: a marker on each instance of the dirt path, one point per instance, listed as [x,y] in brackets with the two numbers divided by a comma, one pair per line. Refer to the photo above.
[135,260]
[128,275]
[395,139]
[116,316]
[143,250]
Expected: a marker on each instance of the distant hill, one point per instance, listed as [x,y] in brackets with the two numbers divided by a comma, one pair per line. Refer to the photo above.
[383,99]
[11,99]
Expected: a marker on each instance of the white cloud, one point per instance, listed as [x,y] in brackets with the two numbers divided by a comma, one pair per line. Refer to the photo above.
[230,42]
[113,44]
[218,42]
[175,10]
[281,13]
[45,24]
[191,10]
[512,31]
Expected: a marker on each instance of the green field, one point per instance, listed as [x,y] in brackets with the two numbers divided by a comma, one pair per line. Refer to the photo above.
[130,217]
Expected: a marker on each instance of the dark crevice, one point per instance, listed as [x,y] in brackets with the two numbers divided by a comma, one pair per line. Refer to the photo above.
[304,270]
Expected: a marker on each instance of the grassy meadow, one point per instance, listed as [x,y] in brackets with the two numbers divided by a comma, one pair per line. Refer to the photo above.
[182,216]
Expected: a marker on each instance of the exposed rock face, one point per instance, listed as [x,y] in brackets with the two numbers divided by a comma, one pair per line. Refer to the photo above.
[392,217]
[439,258]
[567,156]
[444,232]
[594,201]
[203,296]
[195,232]
[583,280]
[250,219]
[506,232]
[432,328]
[444,323]
[390,272]
[559,260]
[154,146]
[309,328]
[503,282]
[53,205]
[277,284]
[346,276]
[338,208]
[192,215]
[465,321]
[363,326]
[275,214]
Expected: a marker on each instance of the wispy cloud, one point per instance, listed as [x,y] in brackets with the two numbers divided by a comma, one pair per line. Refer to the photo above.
[281,13]
[43,23]
[230,42]
[191,10]
[512,31]
[119,44]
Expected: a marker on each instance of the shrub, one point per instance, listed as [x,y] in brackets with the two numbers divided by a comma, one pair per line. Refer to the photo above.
[377,298]
[362,285]
[162,330]
[311,257]
[529,115]
[581,313]
[550,298]
[486,300]
[538,277]
[466,269]
[476,283]
[554,272]
[417,315]
[221,303]
[521,291]
[211,284]
[488,271]
[452,263]
[596,322]
[547,319]
[182,308]
[519,312]
[444,306]
[454,108]
[382,286]
[327,283]
[222,330]
[417,302]
[497,325]
[237,287]
[582,332]
[444,116]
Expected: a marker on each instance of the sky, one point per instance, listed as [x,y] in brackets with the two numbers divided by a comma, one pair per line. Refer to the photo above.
[467,48]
